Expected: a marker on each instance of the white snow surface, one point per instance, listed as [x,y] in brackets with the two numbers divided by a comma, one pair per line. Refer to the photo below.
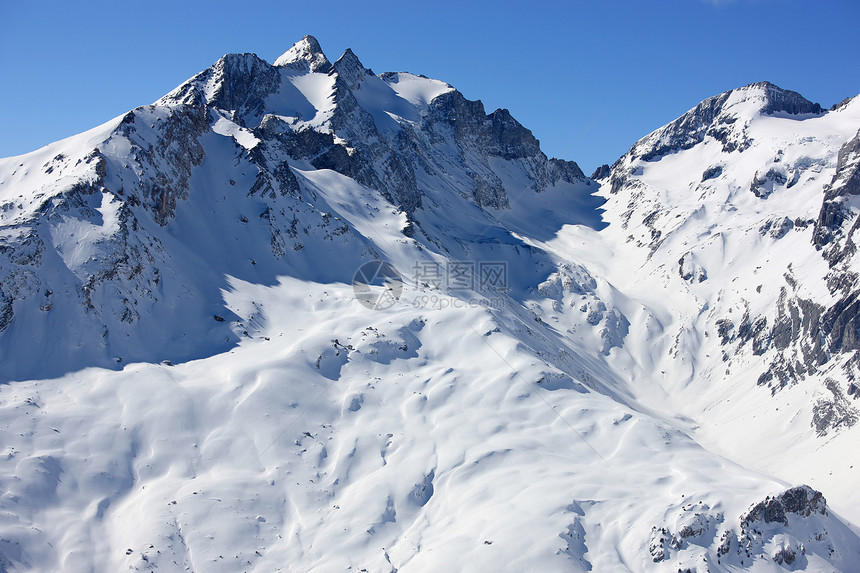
[558,425]
[242,136]
[672,356]
[417,90]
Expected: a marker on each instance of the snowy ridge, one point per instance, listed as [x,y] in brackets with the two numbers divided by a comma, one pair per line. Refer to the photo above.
[761,317]
[190,383]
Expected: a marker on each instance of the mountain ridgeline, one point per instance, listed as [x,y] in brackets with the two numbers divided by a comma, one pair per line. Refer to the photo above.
[105,242]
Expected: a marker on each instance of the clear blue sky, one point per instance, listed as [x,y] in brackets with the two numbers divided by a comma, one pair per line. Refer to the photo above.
[588,78]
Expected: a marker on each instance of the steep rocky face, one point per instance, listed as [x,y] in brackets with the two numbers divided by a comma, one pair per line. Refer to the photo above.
[833,233]
[601,172]
[494,135]
[786,101]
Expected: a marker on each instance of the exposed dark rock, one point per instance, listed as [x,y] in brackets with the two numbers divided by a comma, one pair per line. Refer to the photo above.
[661,539]
[724,330]
[498,133]
[463,116]
[712,172]
[748,330]
[617,181]
[833,413]
[785,555]
[303,144]
[777,228]
[6,311]
[830,232]
[690,270]
[686,131]
[509,139]
[165,144]
[601,172]
[796,502]
[378,161]
[177,146]
[337,158]
[488,193]
[563,170]
[780,374]
[786,101]
[842,103]
[805,334]
[713,118]
[763,186]
[286,179]
[243,83]
[349,68]
[692,524]
[841,324]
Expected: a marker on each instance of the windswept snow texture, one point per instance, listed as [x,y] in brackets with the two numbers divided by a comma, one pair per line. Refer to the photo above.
[190,383]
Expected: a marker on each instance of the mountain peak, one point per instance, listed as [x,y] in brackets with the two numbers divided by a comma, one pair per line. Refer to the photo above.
[305,54]
[717,117]
[778,100]
[349,67]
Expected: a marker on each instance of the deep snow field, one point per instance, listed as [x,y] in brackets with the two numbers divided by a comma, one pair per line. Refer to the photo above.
[399,446]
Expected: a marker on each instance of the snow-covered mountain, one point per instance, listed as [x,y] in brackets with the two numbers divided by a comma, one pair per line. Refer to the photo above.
[559,373]
[743,210]
[117,242]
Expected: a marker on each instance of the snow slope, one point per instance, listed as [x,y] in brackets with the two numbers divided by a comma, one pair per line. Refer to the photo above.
[749,345]
[190,382]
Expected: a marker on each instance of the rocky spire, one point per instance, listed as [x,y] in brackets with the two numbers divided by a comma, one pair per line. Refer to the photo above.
[349,68]
[305,54]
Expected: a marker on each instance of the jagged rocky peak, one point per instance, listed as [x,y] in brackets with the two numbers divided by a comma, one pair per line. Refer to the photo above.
[221,139]
[601,172]
[242,83]
[305,54]
[237,82]
[350,69]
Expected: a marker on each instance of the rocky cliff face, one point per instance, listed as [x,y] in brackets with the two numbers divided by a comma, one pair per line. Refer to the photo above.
[833,234]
